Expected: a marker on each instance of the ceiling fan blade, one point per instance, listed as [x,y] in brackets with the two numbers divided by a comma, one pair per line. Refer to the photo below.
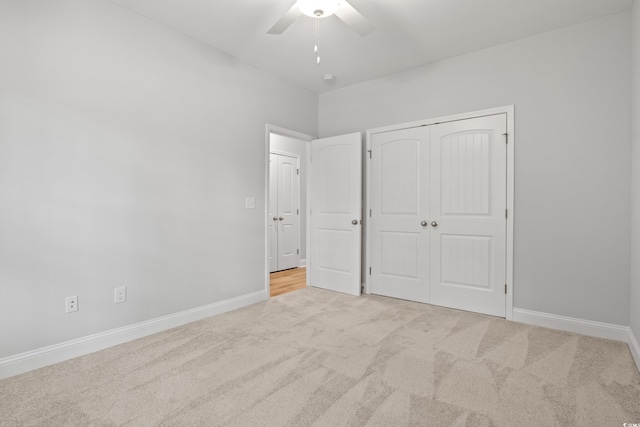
[354,19]
[287,19]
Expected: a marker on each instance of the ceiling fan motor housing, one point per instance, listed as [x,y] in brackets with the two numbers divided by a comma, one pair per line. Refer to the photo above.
[318,8]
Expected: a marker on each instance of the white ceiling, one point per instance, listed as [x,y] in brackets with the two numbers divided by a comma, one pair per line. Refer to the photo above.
[408,32]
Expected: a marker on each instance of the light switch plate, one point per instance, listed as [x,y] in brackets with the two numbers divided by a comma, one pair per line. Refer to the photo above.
[250,203]
[120,295]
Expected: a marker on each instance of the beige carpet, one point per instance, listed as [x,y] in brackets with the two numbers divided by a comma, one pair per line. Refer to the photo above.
[319,358]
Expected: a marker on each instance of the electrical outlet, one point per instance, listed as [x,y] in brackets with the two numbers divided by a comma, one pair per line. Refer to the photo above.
[71,304]
[120,295]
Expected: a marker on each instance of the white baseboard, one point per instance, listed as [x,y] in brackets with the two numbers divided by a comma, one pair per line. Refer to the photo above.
[302,263]
[632,340]
[572,324]
[34,359]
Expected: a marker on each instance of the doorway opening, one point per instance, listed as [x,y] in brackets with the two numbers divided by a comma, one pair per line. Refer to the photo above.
[287,154]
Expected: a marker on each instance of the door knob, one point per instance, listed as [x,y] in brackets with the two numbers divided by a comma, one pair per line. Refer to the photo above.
[424,223]
[354,222]
[275,218]
[281,219]
[434,223]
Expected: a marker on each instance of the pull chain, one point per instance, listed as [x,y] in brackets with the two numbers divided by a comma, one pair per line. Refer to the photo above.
[316,48]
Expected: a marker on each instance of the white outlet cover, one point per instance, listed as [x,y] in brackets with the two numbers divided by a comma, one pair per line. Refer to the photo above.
[71,304]
[250,203]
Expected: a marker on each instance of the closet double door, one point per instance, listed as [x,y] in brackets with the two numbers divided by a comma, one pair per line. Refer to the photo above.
[438,214]
[284,213]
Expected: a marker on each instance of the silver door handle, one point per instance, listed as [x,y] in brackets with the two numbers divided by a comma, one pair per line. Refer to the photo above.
[354,222]
[434,223]
[424,223]
[281,219]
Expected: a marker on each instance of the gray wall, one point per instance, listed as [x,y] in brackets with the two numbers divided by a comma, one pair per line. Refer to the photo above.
[572,93]
[126,153]
[297,146]
[634,300]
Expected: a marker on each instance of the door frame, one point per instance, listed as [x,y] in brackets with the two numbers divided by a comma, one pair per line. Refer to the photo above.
[272,129]
[509,110]
[296,192]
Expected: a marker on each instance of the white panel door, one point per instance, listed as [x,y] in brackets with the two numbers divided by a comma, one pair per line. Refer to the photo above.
[468,204]
[400,214]
[288,219]
[272,219]
[335,213]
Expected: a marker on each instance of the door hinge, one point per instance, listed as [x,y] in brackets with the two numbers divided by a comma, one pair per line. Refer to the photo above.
[297,211]
[297,171]
[369,271]
[369,153]
[505,288]
[298,251]
[369,213]
[506,213]
[506,138]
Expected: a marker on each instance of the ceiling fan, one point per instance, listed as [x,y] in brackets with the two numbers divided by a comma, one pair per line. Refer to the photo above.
[321,9]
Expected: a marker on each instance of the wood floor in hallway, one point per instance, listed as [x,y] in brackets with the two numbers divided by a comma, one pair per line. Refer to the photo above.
[286,281]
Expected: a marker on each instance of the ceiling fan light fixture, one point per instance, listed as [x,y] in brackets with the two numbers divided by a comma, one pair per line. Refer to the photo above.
[318,8]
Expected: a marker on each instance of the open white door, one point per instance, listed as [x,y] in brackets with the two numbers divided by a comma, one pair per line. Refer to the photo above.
[335,194]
